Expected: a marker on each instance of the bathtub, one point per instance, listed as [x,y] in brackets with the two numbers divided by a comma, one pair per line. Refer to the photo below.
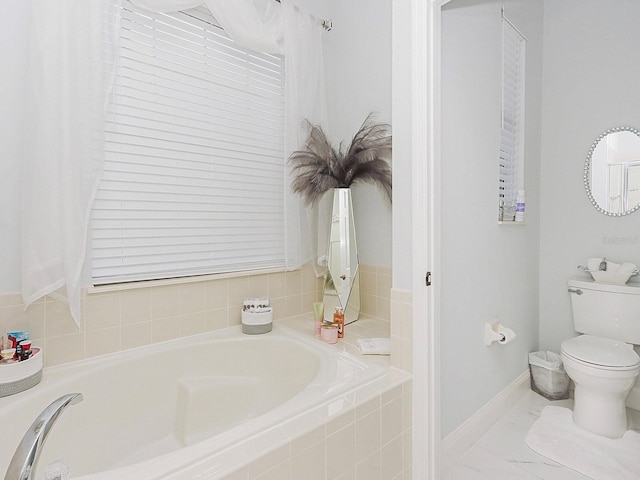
[169,408]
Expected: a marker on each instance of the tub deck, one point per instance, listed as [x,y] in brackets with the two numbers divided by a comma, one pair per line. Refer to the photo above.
[220,420]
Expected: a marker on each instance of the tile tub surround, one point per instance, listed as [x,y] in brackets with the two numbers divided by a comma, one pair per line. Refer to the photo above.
[402,329]
[375,291]
[367,437]
[117,320]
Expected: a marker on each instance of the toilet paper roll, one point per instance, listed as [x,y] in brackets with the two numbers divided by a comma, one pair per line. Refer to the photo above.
[505,334]
[495,332]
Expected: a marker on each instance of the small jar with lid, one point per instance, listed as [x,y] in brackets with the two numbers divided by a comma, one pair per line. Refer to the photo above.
[329,332]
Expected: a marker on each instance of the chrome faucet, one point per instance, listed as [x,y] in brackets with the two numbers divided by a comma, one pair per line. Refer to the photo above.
[26,456]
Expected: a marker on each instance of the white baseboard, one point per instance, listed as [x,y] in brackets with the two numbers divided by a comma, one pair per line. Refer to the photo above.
[462,438]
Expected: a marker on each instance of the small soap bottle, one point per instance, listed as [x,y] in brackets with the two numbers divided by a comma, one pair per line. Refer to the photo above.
[520,206]
[338,318]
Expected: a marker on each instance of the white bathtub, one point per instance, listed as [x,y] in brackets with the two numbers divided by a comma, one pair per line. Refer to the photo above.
[157,411]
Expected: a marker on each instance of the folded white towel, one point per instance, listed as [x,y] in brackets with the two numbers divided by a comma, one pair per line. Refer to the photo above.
[593,264]
[627,268]
[374,346]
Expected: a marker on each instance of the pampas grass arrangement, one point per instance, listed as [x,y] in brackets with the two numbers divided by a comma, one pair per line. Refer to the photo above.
[320,167]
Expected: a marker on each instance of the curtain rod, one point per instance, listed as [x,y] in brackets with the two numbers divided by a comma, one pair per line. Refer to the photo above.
[326,24]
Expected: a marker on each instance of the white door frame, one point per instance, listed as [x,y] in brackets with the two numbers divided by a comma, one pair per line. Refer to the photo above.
[425,154]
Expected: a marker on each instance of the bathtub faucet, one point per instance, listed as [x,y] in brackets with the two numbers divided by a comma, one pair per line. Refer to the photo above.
[26,456]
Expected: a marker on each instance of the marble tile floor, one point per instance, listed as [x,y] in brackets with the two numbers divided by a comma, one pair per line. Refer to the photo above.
[501,453]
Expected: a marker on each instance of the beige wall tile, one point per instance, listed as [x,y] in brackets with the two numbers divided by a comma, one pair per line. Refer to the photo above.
[368,407]
[369,468]
[369,304]
[165,301]
[407,443]
[407,419]
[102,310]
[293,305]
[100,342]
[280,472]
[368,268]
[367,435]
[368,282]
[391,458]
[391,420]
[258,286]
[341,421]
[293,282]
[14,318]
[163,329]
[383,285]
[383,308]
[307,301]
[309,464]
[184,309]
[350,474]
[58,320]
[191,298]
[308,279]
[192,324]
[277,285]
[267,462]
[238,291]
[135,306]
[341,448]
[216,319]
[135,335]
[35,318]
[10,299]
[215,294]
[279,306]
[64,349]
[234,315]
[303,442]
[392,394]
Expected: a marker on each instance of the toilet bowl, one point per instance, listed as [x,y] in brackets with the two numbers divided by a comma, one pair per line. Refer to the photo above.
[603,371]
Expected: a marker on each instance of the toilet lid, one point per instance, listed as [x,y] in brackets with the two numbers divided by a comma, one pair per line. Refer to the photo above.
[601,351]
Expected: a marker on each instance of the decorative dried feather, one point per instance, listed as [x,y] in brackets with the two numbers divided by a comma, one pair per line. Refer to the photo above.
[320,167]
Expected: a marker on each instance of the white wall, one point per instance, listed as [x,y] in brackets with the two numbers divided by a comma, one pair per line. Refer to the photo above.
[590,84]
[402,178]
[358,66]
[488,271]
[14,34]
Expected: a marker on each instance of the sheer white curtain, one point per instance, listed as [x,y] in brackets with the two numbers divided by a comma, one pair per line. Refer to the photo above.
[63,148]
[269,27]
[62,145]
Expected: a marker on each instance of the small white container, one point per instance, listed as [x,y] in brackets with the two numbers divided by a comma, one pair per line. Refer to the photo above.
[19,376]
[256,323]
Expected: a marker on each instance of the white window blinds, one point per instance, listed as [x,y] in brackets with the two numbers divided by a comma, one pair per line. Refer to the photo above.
[194,170]
[511,175]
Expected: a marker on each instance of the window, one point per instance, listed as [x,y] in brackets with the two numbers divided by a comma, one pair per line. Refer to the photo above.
[511,175]
[194,178]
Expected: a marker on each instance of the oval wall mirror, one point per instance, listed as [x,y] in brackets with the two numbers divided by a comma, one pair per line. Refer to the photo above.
[612,172]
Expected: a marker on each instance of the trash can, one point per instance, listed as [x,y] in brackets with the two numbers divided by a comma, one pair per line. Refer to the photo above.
[548,377]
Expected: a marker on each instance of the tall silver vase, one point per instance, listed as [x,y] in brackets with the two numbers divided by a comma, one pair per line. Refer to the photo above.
[342,281]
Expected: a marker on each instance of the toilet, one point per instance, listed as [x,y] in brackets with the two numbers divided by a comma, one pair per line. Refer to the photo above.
[602,362]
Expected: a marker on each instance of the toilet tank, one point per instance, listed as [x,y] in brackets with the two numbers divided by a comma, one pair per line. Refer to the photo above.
[610,311]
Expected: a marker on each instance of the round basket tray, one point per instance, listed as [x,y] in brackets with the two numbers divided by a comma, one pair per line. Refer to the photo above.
[19,376]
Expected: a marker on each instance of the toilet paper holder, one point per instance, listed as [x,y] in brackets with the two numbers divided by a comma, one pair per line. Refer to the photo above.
[495,332]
